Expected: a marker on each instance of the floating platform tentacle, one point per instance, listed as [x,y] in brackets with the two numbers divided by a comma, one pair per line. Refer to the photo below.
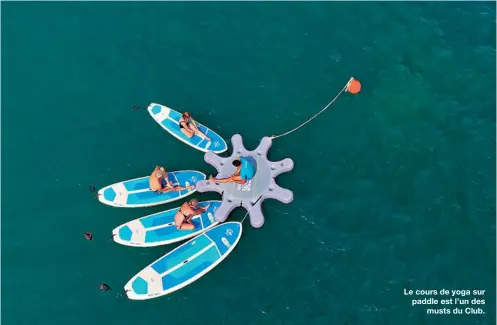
[276,192]
[255,214]
[280,167]
[225,209]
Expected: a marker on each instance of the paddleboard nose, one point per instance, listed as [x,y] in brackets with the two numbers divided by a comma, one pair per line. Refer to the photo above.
[100,195]
[128,290]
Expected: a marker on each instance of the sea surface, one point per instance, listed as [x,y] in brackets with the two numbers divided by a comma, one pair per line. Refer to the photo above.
[394,187]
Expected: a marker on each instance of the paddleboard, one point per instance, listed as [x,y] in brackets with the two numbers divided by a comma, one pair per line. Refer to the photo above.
[185,264]
[136,192]
[168,119]
[159,228]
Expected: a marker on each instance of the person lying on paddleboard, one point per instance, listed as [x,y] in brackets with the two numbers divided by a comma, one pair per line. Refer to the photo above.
[185,214]
[188,127]
[160,183]
[245,171]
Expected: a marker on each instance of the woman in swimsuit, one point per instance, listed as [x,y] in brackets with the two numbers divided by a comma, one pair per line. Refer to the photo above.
[159,183]
[188,127]
[185,214]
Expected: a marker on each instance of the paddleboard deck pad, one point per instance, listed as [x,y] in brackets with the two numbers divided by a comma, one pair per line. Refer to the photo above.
[168,119]
[159,228]
[185,264]
[136,192]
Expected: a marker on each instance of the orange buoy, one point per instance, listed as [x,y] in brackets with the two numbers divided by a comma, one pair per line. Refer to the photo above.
[354,86]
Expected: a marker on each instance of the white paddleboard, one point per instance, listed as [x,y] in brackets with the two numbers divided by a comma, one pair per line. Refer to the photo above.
[136,192]
[168,119]
[185,264]
[159,228]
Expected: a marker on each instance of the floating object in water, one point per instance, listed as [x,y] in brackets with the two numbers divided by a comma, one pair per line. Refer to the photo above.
[104,287]
[251,194]
[88,236]
[353,86]
[136,107]
[168,119]
[185,264]
[159,228]
[136,192]
[91,189]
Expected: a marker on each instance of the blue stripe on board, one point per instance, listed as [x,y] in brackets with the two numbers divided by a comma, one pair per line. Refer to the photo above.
[191,177]
[182,253]
[170,232]
[174,115]
[212,209]
[162,218]
[137,184]
[152,197]
[205,219]
[217,233]
[190,269]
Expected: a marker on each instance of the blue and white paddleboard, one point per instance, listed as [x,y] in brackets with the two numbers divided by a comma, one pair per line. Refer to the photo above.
[168,118]
[185,264]
[159,229]
[136,192]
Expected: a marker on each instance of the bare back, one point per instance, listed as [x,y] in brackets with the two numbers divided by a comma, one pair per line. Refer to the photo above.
[188,210]
[181,214]
[154,182]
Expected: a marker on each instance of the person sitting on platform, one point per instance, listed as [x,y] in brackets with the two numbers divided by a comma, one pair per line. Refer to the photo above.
[185,214]
[245,171]
[159,182]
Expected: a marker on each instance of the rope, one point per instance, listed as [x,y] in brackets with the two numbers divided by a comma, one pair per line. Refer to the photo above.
[315,115]
[248,211]
[246,214]
[123,293]
[301,125]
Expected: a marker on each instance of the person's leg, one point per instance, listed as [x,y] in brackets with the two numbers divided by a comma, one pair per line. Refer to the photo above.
[238,179]
[187,132]
[183,223]
[165,182]
[187,226]
[179,218]
[193,127]
[167,189]
[181,188]
[235,178]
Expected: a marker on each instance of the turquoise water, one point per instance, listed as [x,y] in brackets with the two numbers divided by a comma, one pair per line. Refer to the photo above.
[394,187]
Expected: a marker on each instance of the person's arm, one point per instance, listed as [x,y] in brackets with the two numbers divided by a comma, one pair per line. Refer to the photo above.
[167,180]
[194,122]
[205,208]
[185,125]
